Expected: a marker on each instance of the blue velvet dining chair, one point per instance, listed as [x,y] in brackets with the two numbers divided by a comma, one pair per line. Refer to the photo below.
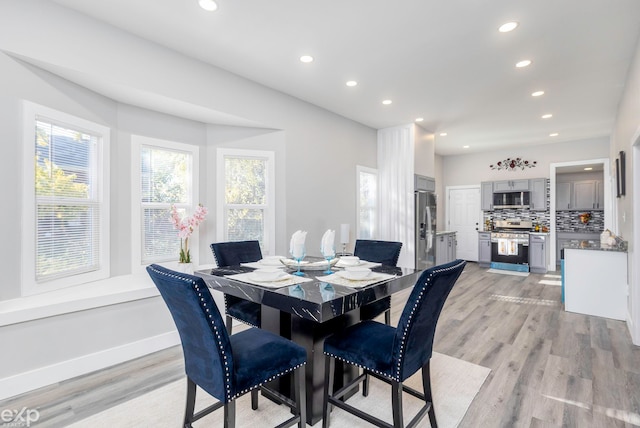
[232,254]
[387,253]
[226,366]
[393,354]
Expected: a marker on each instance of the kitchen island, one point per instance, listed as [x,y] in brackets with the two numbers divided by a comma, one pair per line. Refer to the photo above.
[595,279]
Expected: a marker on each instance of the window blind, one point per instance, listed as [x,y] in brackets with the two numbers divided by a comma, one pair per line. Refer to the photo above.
[67,205]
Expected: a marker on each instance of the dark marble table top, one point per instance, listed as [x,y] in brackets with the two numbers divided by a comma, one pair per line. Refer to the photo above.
[314,300]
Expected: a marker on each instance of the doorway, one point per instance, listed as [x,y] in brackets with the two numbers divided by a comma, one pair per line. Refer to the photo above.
[558,168]
[465,218]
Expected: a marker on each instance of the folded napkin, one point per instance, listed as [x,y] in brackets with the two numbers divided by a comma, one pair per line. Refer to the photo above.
[282,282]
[361,263]
[296,246]
[336,279]
[327,247]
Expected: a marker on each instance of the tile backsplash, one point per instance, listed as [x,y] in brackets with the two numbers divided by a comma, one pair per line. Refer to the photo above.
[568,221]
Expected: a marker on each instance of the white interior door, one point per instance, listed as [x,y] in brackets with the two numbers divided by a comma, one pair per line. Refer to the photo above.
[465,218]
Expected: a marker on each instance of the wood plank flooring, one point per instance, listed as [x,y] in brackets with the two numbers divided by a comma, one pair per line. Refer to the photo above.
[550,368]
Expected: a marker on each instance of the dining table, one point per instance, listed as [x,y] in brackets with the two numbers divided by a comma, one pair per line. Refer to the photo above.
[309,308]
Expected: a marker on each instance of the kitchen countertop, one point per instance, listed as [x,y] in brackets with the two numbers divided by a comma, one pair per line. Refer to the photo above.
[594,246]
[445,232]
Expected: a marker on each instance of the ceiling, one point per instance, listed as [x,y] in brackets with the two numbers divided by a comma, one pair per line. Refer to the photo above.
[443,61]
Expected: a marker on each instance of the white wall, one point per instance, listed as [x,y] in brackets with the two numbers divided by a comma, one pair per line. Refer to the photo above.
[474,168]
[174,97]
[627,129]
[424,158]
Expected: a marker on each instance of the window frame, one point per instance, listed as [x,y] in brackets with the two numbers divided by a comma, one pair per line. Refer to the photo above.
[269,207]
[30,113]
[359,171]
[137,220]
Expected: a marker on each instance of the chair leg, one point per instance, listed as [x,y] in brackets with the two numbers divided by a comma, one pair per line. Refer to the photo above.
[191,403]
[329,371]
[301,396]
[396,403]
[254,398]
[428,395]
[365,384]
[229,324]
[387,317]
[230,414]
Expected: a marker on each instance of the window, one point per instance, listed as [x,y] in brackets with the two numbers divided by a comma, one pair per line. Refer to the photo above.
[246,196]
[65,204]
[367,183]
[166,173]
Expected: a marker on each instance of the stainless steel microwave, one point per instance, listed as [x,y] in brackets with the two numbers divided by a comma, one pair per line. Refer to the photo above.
[510,200]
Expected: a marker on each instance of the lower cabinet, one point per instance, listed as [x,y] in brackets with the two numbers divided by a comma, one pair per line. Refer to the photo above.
[484,249]
[538,253]
[445,247]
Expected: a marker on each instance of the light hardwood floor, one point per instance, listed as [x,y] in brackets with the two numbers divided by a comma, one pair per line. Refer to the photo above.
[549,368]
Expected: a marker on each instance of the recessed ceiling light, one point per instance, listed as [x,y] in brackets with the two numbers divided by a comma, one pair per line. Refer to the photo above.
[443,134]
[523,63]
[508,26]
[208,5]
[465,147]
[553,134]
[387,102]
[306,58]
[352,83]
[537,93]
[547,116]
[588,168]
[419,119]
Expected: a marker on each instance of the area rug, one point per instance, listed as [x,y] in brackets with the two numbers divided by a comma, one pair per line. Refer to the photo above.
[455,383]
[508,272]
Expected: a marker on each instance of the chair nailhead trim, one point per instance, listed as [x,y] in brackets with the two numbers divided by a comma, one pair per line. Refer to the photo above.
[224,356]
[238,394]
[203,304]
[396,375]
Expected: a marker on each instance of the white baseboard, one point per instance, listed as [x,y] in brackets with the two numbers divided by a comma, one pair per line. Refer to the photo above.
[44,376]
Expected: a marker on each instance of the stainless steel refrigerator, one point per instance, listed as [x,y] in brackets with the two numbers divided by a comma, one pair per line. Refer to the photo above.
[425,218]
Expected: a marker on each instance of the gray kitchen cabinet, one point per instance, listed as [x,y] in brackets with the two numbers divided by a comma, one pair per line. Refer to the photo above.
[445,247]
[580,195]
[422,182]
[563,196]
[484,249]
[538,253]
[486,195]
[538,194]
[584,194]
[511,186]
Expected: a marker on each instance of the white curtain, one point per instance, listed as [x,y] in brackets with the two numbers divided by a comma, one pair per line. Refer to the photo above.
[396,185]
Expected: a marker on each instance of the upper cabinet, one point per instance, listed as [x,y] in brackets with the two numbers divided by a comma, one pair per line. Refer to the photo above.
[486,195]
[537,188]
[538,194]
[563,196]
[580,195]
[424,183]
[511,186]
[588,195]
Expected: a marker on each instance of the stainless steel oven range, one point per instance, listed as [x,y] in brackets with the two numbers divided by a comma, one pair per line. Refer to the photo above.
[510,245]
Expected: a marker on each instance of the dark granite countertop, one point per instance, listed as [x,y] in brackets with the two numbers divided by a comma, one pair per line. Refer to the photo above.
[595,246]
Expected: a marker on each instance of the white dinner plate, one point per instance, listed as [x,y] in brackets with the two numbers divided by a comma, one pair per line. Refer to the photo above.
[259,278]
[353,276]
